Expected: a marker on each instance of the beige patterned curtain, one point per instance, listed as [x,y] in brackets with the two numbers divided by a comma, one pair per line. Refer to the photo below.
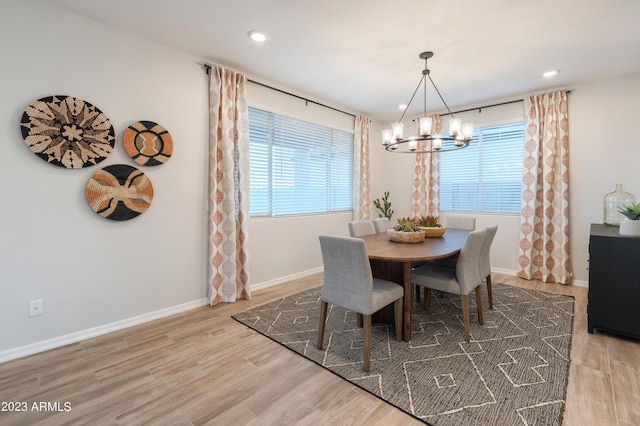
[544,222]
[228,186]
[362,202]
[425,199]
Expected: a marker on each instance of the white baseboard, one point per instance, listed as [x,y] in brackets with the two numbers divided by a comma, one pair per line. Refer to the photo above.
[580,283]
[56,342]
[503,271]
[281,280]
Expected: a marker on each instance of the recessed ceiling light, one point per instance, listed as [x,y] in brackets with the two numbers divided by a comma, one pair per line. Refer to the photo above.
[257,35]
[402,107]
[550,73]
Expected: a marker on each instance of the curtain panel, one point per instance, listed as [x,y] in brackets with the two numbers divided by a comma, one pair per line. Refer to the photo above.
[544,252]
[362,189]
[228,277]
[425,198]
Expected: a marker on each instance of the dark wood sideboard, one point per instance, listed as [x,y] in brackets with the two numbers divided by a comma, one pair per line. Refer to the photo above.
[614,282]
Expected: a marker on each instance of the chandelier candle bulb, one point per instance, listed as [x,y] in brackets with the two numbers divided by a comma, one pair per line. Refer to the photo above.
[454,126]
[386,136]
[424,124]
[437,143]
[413,145]
[397,130]
[467,130]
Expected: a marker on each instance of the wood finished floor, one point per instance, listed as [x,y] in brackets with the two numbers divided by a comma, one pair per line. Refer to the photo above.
[202,367]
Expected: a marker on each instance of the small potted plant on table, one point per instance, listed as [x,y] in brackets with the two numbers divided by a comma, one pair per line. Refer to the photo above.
[406,231]
[630,224]
[431,226]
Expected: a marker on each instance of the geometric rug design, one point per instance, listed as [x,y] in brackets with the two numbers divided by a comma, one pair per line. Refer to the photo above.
[514,371]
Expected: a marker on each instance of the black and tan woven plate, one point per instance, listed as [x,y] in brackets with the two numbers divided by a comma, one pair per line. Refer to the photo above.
[67,131]
[148,143]
[119,192]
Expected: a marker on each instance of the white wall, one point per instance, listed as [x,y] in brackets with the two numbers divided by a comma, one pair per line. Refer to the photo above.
[88,270]
[604,150]
[94,274]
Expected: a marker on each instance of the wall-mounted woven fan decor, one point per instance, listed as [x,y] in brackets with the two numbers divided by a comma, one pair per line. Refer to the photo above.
[148,143]
[67,131]
[119,192]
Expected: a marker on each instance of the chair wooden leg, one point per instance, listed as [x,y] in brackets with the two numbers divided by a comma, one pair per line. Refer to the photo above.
[323,320]
[359,317]
[367,342]
[397,311]
[427,299]
[479,303]
[417,293]
[465,317]
[489,294]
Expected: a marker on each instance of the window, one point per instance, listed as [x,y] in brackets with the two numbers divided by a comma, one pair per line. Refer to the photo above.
[487,175]
[298,167]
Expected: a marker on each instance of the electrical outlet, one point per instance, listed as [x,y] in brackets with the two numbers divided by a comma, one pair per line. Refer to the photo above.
[35,307]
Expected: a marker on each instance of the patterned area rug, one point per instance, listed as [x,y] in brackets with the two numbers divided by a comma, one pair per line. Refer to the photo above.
[513,372]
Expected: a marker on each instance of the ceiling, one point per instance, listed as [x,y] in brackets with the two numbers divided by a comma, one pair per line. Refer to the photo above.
[362,55]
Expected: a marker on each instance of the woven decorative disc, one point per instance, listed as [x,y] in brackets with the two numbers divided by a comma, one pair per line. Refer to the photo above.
[67,131]
[148,143]
[119,192]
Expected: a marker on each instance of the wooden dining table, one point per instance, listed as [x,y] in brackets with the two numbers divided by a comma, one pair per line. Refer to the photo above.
[393,261]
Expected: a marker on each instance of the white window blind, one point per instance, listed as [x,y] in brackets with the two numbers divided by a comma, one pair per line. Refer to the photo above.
[297,167]
[487,175]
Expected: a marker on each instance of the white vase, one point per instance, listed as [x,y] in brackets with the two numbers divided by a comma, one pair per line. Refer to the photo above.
[629,228]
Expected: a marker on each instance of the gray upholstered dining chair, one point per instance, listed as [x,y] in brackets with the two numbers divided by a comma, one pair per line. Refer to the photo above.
[359,228]
[349,283]
[467,223]
[381,224]
[461,280]
[485,262]
[460,222]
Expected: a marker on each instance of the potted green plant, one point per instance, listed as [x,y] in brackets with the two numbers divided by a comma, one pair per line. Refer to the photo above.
[630,224]
[431,225]
[406,231]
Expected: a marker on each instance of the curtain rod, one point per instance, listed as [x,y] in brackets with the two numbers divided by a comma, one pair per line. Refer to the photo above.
[484,106]
[489,106]
[207,68]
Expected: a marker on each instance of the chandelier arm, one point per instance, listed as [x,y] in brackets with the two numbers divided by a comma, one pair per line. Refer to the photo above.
[412,96]
[441,98]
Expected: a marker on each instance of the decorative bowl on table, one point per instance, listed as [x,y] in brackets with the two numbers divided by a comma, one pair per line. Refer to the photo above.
[434,232]
[405,237]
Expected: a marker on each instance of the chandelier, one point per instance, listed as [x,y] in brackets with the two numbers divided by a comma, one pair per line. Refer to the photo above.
[427,139]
